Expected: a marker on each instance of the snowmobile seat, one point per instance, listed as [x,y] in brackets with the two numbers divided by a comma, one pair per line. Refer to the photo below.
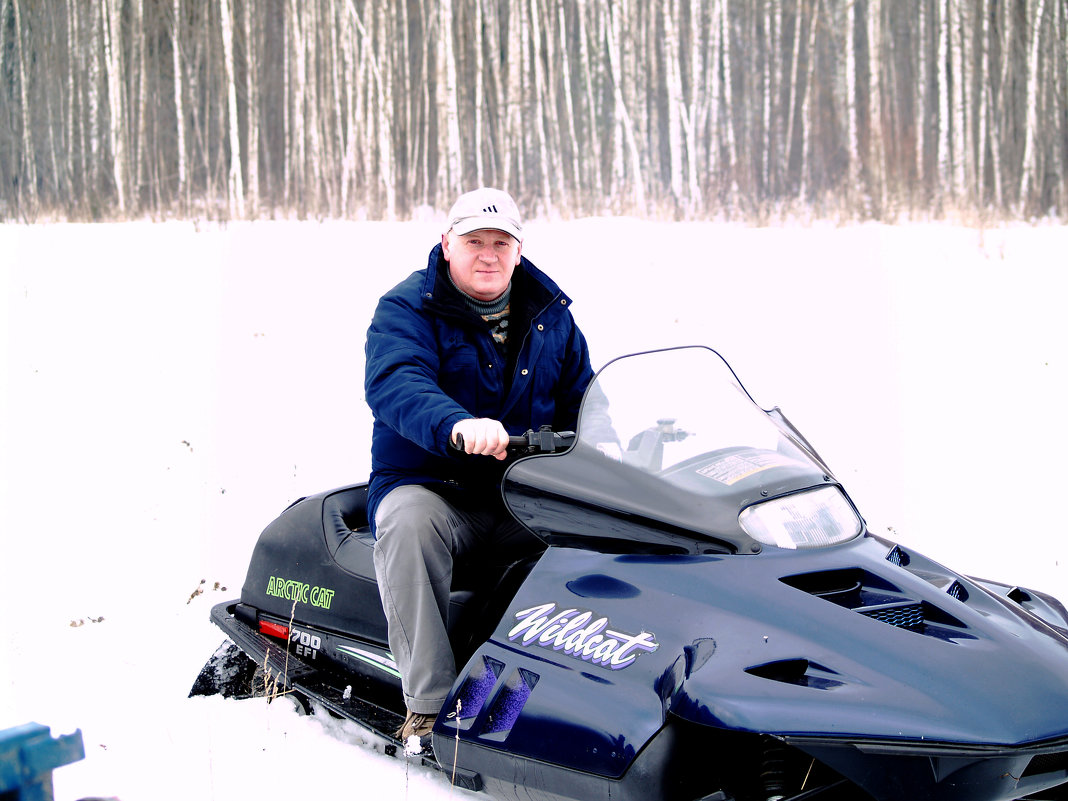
[351,545]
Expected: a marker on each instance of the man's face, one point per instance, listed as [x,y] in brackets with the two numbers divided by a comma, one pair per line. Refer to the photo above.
[481,262]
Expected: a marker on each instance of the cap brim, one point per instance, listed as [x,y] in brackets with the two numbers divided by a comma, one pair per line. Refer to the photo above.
[492,223]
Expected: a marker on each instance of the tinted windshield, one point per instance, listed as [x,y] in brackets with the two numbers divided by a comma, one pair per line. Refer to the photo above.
[670,450]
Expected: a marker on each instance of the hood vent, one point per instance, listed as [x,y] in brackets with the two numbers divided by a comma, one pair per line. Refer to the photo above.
[929,573]
[902,615]
[1047,763]
[958,591]
[800,672]
[898,557]
[878,599]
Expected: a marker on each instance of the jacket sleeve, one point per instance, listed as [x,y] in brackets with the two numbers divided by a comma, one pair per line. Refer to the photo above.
[401,377]
[575,377]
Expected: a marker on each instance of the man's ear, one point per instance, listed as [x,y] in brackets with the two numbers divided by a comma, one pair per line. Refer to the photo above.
[445,245]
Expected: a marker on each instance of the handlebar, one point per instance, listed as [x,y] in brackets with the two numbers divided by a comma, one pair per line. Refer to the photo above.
[544,440]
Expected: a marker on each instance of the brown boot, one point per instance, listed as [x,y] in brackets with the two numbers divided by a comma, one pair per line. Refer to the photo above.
[419,725]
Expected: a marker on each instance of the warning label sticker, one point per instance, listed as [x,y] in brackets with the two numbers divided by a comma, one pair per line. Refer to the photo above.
[733,468]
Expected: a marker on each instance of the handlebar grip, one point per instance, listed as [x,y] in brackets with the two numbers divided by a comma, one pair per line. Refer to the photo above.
[514,443]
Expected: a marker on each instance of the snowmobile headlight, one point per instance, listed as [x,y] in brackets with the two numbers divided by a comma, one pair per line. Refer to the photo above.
[810,519]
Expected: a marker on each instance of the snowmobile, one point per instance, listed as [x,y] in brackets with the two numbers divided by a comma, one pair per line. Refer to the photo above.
[710,620]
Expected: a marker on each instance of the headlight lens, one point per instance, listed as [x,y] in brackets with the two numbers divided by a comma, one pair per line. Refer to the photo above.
[810,519]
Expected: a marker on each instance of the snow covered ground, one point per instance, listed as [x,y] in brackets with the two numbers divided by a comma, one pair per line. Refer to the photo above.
[167,392]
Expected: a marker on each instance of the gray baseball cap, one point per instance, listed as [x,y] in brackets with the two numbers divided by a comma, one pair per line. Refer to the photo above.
[486,208]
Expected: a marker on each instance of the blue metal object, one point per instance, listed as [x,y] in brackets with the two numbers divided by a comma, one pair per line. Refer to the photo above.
[28,755]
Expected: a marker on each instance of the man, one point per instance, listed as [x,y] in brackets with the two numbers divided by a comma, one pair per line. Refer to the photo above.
[479,345]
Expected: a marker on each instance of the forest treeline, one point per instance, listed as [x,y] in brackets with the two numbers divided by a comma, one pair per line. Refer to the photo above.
[871,109]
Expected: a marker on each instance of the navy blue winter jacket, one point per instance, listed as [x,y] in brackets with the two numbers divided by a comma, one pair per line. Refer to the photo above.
[431,361]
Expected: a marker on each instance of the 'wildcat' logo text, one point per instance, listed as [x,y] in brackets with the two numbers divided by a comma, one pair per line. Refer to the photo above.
[581,635]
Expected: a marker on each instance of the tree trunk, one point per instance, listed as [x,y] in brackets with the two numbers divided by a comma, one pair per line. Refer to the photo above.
[932,120]
[235,184]
[862,93]
[113,59]
[673,83]
[570,143]
[179,106]
[139,173]
[539,111]
[384,120]
[28,179]
[296,116]
[793,141]
[979,89]
[252,72]
[1031,159]
[957,94]
[8,106]
[623,116]
[74,123]
[591,135]
[1059,57]
[447,78]
[994,84]
[54,102]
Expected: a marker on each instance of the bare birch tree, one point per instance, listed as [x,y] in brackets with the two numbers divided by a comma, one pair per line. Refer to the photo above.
[111,22]
[28,187]
[179,106]
[235,183]
[447,79]
[1031,162]
[252,93]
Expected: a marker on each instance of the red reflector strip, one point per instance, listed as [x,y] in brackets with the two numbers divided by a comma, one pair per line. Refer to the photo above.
[274,629]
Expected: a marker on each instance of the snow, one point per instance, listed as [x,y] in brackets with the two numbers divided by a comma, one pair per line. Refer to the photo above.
[169,390]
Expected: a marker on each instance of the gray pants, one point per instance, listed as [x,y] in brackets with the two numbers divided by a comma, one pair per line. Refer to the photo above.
[419,535]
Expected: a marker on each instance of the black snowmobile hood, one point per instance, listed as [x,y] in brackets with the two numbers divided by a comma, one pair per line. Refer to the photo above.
[841,645]
[817,630]
[844,643]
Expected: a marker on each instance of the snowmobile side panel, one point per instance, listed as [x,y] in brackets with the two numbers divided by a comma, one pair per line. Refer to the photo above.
[654,773]
[315,559]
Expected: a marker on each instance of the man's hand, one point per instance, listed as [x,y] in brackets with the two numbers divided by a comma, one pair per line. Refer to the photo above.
[481,436]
